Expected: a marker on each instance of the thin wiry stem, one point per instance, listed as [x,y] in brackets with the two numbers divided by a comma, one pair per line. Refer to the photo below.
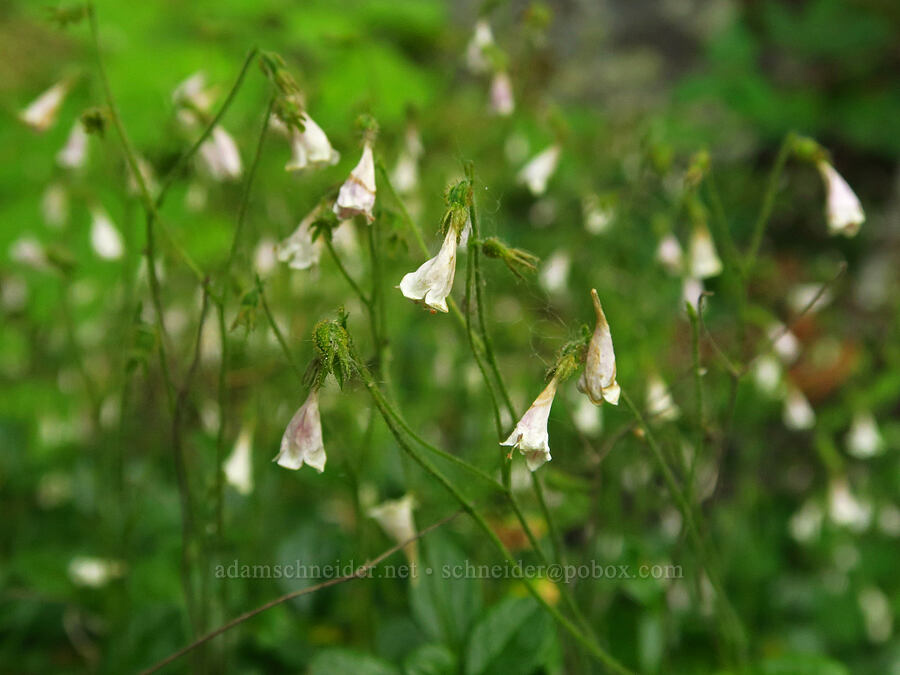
[185,157]
[768,203]
[360,572]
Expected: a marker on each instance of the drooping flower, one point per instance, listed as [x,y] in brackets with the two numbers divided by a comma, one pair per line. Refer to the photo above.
[704,259]
[767,373]
[482,39]
[798,414]
[669,254]
[433,281]
[597,216]
[554,275]
[535,174]
[311,147]
[357,194]
[28,251]
[55,205]
[530,435]
[105,238]
[845,509]
[396,519]
[299,250]
[405,176]
[785,344]
[220,156]
[302,440]
[194,93]
[41,113]
[843,210]
[74,153]
[660,404]
[598,380]
[94,572]
[503,102]
[238,467]
[864,439]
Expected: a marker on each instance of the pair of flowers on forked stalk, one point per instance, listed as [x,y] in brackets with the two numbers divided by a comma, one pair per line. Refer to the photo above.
[302,440]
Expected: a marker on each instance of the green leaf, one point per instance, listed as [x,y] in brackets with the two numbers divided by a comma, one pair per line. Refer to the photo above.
[431,659]
[513,636]
[337,660]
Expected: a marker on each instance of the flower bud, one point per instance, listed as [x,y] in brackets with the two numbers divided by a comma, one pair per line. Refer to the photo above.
[704,260]
[518,261]
[74,153]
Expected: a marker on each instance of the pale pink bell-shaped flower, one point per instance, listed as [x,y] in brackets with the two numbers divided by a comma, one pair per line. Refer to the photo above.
[537,172]
[864,439]
[299,250]
[302,440]
[598,380]
[74,153]
[704,259]
[845,509]
[503,102]
[357,194]
[238,467]
[797,413]
[28,251]
[691,290]
[433,281]
[785,344]
[105,238]
[530,435]
[482,39]
[220,156]
[843,210]
[311,147]
[660,404]
[405,176]
[41,113]
[669,254]
[597,216]
[396,519]
[194,92]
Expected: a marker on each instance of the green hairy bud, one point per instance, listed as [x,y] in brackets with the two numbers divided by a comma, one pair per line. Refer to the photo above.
[333,350]
[518,261]
[94,121]
[570,357]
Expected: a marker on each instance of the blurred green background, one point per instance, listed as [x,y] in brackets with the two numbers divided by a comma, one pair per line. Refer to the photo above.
[631,90]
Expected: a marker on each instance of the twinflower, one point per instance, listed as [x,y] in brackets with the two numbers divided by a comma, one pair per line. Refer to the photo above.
[220,156]
[433,281]
[311,147]
[299,250]
[598,380]
[537,172]
[503,103]
[238,467]
[842,209]
[704,259]
[530,435]
[396,519]
[357,194]
[105,238]
[302,440]
[41,113]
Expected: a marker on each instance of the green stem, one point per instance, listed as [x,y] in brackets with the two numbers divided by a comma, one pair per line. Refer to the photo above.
[384,407]
[171,176]
[278,334]
[343,270]
[698,401]
[765,211]
[729,616]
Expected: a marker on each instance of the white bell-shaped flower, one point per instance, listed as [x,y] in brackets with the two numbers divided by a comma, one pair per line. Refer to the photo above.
[670,255]
[41,113]
[598,380]
[55,205]
[597,215]
[93,572]
[28,251]
[74,153]
[691,290]
[193,92]
[785,344]
[482,39]
[220,156]
[845,509]
[537,172]
[302,440]
[660,404]
[704,259]
[311,147]
[864,439]
[357,194]
[433,281]
[797,414]
[767,374]
[530,435]
[105,238]
[503,102]
[395,517]
[842,209]
[299,250]
[238,467]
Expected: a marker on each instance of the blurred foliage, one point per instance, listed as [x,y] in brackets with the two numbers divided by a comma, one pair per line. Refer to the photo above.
[631,91]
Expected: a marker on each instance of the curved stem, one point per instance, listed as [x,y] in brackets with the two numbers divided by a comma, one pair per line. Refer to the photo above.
[768,203]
